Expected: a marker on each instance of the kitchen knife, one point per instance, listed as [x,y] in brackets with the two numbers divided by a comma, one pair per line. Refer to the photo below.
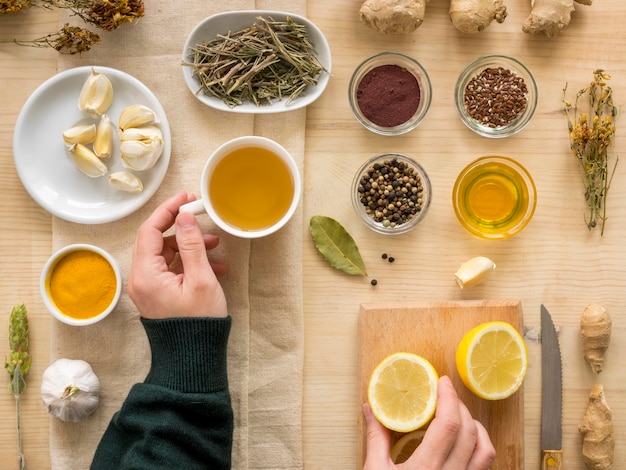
[552,395]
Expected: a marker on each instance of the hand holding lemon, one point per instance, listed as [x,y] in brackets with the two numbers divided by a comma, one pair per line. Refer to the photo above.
[453,438]
[405,392]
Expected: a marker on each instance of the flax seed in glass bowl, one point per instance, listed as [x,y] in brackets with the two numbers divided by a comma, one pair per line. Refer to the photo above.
[495,96]
[391,193]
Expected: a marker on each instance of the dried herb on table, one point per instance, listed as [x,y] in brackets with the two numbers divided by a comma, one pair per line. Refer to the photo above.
[104,14]
[591,123]
[336,245]
[269,60]
[18,364]
[13,6]
[68,40]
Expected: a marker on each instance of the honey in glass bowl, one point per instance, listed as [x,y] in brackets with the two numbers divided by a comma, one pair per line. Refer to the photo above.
[494,197]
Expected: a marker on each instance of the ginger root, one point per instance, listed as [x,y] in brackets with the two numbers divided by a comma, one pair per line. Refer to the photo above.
[595,329]
[472,16]
[393,16]
[596,428]
[550,16]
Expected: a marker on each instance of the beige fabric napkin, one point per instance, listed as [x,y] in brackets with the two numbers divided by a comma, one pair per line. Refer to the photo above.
[263,286]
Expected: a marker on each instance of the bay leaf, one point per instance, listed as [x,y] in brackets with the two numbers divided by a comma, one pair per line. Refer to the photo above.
[336,245]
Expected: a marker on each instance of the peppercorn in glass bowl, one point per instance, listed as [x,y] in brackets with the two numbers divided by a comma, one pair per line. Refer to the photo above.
[390,93]
[495,96]
[80,284]
[391,193]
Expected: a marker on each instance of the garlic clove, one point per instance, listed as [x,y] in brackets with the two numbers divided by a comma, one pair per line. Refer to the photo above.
[103,143]
[70,389]
[87,161]
[474,271]
[96,95]
[138,155]
[145,134]
[80,134]
[136,115]
[126,181]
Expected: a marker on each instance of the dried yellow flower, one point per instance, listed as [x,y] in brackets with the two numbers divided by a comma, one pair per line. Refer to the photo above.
[13,6]
[590,141]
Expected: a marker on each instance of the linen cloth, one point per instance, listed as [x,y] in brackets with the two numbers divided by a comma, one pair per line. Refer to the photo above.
[264,282]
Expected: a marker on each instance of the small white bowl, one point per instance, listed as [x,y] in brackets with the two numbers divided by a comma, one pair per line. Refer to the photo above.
[44,284]
[233,21]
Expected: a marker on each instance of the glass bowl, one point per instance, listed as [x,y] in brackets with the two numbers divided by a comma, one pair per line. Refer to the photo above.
[398,102]
[78,291]
[494,197]
[410,195]
[479,114]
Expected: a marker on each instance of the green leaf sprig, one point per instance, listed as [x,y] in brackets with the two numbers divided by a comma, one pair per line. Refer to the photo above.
[336,245]
[18,365]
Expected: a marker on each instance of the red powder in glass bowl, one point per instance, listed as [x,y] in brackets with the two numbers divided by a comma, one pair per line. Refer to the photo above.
[388,95]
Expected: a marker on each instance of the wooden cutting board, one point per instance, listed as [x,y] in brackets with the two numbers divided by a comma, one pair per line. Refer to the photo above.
[433,331]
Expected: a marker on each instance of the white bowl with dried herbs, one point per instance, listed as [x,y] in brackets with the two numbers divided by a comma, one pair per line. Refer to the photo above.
[240,77]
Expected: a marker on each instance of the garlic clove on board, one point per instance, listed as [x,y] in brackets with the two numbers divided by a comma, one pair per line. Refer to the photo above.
[70,390]
[474,271]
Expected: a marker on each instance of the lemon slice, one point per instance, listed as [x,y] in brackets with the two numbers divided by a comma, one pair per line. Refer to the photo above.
[402,392]
[406,445]
[492,360]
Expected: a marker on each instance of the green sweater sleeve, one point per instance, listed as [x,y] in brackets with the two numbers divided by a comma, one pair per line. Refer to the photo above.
[181,415]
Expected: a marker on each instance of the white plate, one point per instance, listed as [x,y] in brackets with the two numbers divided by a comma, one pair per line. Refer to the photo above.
[232,21]
[48,172]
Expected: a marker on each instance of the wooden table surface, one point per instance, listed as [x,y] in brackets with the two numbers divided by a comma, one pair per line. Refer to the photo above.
[555,260]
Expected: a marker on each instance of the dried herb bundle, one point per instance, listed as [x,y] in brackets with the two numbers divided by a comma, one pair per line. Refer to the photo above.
[13,6]
[104,14]
[18,365]
[269,60]
[591,123]
[68,40]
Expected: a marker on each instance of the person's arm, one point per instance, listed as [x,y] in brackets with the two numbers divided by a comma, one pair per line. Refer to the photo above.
[181,415]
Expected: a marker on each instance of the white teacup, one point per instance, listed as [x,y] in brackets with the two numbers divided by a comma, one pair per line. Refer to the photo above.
[250,187]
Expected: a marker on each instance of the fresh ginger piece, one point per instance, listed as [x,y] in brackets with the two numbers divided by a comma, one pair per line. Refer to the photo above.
[596,428]
[595,329]
[550,16]
[393,16]
[472,16]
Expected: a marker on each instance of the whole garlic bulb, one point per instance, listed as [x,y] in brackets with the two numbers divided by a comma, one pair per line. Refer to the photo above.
[70,389]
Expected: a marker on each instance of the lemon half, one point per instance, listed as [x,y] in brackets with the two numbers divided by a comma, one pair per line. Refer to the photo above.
[402,392]
[492,360]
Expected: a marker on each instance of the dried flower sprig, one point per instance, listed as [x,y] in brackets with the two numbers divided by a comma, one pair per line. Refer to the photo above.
[591,130]
[13,6]
[105,14]
[68,40]
[18,365]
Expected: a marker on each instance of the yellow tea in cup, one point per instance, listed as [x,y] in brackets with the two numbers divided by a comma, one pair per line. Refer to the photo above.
[494,197]
[251,188]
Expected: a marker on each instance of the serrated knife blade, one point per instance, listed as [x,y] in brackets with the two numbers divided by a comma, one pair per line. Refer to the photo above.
[552,395]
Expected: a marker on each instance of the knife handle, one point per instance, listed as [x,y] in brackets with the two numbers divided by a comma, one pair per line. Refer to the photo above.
[551,459]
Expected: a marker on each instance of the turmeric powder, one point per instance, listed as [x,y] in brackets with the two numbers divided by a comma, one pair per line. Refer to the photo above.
[82,284]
